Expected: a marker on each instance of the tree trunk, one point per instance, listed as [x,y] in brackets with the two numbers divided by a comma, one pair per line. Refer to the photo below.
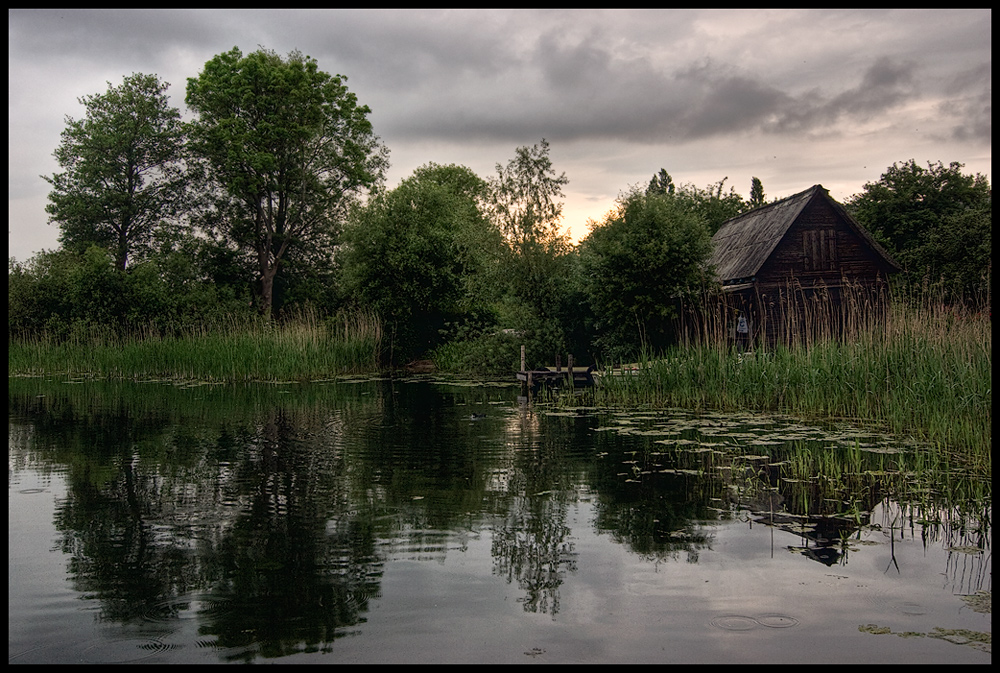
[267,290]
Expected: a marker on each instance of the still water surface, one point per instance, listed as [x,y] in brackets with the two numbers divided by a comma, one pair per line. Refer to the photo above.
[425,521]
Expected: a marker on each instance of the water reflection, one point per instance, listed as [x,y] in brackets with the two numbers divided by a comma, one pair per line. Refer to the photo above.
[269,515]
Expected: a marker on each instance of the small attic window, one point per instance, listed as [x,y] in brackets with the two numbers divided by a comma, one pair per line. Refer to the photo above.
[819,249]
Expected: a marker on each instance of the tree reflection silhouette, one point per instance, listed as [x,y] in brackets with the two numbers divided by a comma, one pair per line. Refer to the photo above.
[256,526]
[269,517]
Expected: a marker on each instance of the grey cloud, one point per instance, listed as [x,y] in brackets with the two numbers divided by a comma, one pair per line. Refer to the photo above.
[969,100]
[584,90]
[482,76]
[130,36]
[885,84]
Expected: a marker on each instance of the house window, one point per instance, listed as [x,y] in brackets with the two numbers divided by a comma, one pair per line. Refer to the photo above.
[819,249]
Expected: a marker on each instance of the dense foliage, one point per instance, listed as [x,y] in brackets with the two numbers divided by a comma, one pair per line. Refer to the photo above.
[63,294]
[286,148]
[410,253]
[937,222]
[271,198]
[636,265]
[122,169]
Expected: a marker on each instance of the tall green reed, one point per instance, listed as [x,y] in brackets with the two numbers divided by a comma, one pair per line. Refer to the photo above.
[300,347]
[913,368]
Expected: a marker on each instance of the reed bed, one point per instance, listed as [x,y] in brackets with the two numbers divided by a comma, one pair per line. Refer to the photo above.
[922,370]
[297,349]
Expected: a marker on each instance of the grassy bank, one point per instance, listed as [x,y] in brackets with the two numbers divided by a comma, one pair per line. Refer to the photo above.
[922,371]
[303,348]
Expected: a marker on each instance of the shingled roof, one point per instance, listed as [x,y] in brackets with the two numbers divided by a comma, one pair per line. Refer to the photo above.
[742,244]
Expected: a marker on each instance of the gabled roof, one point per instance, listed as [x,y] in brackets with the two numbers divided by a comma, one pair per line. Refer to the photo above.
[742,244]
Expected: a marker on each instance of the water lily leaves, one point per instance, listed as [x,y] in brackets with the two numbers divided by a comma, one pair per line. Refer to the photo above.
[976,639]
[980,602]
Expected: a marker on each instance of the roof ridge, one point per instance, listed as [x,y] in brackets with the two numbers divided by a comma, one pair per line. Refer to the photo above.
[814,188]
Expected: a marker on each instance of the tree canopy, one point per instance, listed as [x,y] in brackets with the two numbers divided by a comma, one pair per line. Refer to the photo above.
[122,171]
[409,255]
[936,221]
[757,198]
[524,196]
[635,265]
[288,148]
[711,203]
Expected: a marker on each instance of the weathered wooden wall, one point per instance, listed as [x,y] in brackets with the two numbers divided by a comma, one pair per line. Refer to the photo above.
[820,248]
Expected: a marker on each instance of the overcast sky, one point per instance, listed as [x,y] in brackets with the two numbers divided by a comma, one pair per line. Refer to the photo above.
[794,97]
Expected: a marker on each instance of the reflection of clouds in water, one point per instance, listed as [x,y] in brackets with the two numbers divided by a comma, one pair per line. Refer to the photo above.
[440,525]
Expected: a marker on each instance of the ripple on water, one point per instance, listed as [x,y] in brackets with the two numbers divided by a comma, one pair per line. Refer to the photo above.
[123,650]
[881,598]
[910,608]
[734,622]
[771,620]
[170,610]
[776,621]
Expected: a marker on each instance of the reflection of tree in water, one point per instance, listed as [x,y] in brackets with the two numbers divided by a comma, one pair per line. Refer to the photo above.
[531,539]
[646,504]
[117,554]
[294,566]
[531,547]
[249,519]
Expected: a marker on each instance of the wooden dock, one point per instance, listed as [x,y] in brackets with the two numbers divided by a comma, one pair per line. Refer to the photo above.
[581,376]
[573,377]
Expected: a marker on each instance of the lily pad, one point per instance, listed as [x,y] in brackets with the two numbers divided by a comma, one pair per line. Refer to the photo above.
[980,602]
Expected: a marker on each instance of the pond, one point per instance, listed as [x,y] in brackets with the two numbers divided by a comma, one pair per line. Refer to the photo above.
[418,520]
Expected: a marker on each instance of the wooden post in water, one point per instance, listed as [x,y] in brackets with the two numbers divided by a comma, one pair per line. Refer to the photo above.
[526,382]
[558,365]
[569,366]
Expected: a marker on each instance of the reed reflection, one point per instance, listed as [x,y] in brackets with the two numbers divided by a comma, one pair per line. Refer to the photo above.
[270,515]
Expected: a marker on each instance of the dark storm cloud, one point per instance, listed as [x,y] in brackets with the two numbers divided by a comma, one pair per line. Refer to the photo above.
[778,94]
[139,37]
[970,102]
[574,91]
[884,85]
[464,76]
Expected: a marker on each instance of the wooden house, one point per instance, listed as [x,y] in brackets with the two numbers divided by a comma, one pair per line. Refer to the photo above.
[798,267]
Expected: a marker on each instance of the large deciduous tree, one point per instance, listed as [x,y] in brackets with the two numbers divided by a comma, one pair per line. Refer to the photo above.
[634,266]
[757,198]
[523,198]
[411,252]
[936,221]
[289,149]
[523,203]
[121,169]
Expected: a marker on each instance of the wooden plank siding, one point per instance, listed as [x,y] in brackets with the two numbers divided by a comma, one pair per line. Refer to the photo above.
[791,265]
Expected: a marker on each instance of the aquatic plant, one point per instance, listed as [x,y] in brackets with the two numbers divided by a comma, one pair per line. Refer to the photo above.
[302,347]
[924,371]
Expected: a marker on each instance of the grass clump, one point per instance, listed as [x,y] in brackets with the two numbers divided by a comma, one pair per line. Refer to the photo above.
[920,371]
[297,349]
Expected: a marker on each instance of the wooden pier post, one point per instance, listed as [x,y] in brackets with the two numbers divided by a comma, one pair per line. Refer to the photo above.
[569,365]
[526,382]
